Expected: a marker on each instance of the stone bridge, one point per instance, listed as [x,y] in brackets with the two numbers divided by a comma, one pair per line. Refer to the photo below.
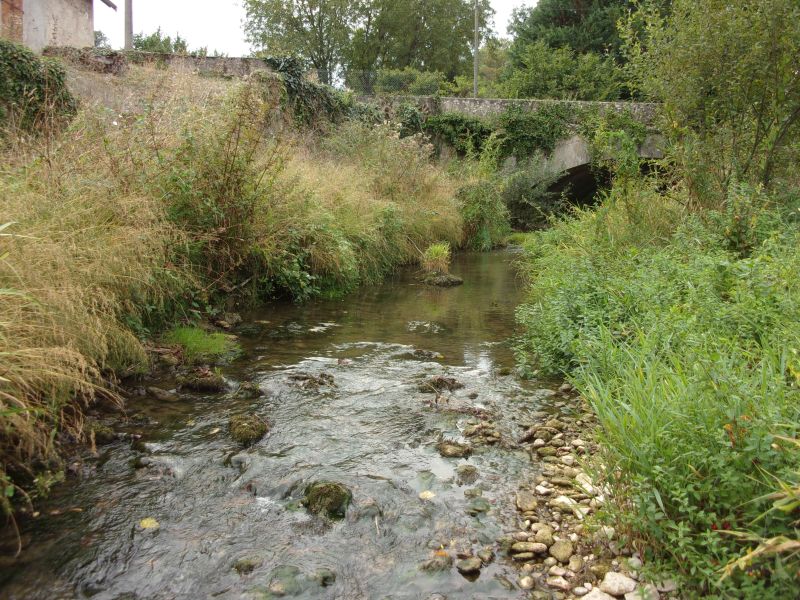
[572,155]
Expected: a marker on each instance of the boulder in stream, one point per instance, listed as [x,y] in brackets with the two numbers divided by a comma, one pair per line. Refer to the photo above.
[247,429]
[202,380]
[327,498]
[450,449]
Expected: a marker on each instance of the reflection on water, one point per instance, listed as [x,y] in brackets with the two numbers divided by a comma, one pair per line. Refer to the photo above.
[372,430]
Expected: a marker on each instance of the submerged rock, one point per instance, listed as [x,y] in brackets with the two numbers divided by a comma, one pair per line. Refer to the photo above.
[244,566]
[327,498]
[162,395]
[450,449]
[466,474]
[441,383]
[469,566]
[442,280]
[249,390]
[247,429]
[441,561]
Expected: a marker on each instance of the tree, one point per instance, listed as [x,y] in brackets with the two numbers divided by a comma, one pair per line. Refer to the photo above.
[582,25]
[158,42]
[726,72]
[560,73]
[315,31]
[101,40]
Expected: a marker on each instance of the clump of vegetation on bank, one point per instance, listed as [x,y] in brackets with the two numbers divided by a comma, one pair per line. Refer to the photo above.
[134,219]
[674,305]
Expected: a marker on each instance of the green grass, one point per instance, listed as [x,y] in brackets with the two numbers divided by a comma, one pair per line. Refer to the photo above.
[200,346]
[436,258]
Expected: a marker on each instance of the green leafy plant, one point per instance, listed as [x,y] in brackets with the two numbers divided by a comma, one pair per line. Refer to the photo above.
[33,90]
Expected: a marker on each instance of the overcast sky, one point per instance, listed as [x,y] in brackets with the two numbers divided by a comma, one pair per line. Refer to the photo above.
[216,24]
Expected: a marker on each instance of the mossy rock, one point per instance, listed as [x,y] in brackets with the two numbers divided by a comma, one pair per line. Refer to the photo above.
[247,429]
[103,434]
[442,280]
[327,498]
[203,380]
[249,390]
[245,566]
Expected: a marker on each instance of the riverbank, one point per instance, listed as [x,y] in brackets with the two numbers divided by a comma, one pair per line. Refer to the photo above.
[168,198]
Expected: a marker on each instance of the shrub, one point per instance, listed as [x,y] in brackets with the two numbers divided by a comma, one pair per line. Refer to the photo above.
[436,258]
[33,91]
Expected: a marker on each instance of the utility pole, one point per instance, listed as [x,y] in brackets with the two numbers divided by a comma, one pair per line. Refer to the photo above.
[474,55]
[128,24]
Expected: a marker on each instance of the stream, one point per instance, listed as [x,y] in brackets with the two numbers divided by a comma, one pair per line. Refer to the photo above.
[373,427]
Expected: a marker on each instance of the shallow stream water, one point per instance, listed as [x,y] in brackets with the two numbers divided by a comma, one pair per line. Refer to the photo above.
[372,429]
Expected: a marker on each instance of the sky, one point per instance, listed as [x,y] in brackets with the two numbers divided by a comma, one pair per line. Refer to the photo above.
[215,24]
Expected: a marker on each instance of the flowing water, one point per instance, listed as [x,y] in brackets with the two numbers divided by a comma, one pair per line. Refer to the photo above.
[372,429]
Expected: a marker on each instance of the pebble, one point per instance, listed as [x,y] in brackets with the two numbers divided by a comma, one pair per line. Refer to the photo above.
[526,583]
[561,551]
[617,584]
[575,563]
[558,583]
[544,536]
[534,547]
[526,501]
[580,591]
[596,594]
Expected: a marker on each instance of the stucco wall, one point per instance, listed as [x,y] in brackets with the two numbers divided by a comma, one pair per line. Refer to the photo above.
[58,23]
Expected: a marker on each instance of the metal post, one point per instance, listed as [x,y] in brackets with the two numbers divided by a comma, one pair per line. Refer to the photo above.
[475,56]
[128,24]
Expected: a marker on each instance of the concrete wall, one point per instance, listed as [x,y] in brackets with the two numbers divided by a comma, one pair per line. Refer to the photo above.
[58,23]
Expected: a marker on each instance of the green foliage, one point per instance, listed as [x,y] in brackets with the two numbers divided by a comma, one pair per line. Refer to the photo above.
[33,90]
[410,118]
[436,258]
[524,133]
[200,346]
[688,353]
[485,215]
[409,81]
[310,103]
[559,73]
[726,73]
[467,135]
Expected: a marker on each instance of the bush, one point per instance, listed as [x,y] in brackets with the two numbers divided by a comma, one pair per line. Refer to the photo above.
[33,91]
[560,74]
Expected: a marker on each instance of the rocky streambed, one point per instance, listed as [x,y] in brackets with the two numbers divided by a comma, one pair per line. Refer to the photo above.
[376,447]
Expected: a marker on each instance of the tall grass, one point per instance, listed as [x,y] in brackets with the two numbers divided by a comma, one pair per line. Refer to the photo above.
[140,215]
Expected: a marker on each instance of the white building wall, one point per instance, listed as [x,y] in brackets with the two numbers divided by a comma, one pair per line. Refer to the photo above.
[58,23]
